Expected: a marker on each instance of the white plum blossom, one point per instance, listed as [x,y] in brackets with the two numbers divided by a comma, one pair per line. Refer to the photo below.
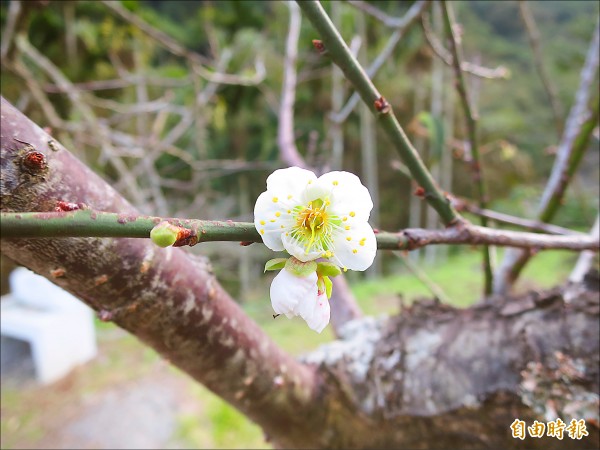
[294,295]
[314,218]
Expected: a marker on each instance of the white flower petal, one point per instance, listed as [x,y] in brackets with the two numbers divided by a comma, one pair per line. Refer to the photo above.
[348,196]
[315,310]
[298,250]
[288,290]
[291,181]
[355,249]
[271,219]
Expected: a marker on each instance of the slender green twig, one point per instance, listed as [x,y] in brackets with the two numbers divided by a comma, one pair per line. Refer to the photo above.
[91,223]
[471,121]
[340,54]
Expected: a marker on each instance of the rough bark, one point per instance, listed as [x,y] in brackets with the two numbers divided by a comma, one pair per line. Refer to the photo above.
[436,377]
[433,377]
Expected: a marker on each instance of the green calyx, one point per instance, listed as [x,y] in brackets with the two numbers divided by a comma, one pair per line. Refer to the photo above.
[164,234]
[299,268]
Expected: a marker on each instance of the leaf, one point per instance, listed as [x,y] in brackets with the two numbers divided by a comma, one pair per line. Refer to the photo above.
[328,269]
[275,264]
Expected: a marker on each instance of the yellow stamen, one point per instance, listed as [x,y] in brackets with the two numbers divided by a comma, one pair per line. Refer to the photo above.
[348,238]
[275,199]
[262,222]
[277,214]
[355,251]
[262,231]
[352,213]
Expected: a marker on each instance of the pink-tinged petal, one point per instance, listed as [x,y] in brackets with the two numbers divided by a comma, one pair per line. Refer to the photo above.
[288,290]
[315,311]
[355,248]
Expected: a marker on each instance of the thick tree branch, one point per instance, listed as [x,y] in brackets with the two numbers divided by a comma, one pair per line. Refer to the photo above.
[341,56]
[471,120]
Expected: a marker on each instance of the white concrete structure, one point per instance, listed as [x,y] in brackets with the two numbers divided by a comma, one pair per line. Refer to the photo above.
[58,327]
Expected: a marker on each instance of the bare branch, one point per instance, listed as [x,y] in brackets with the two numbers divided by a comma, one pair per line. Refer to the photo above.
[533,225]
[468,234]
[536,47]
[199,61]
[354,72]
[471,125]
[466,66]
[571,148]
[15,9]
[390,21]
[407,21]
[586,258]
[285,132]
[577,117]
[119,83]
